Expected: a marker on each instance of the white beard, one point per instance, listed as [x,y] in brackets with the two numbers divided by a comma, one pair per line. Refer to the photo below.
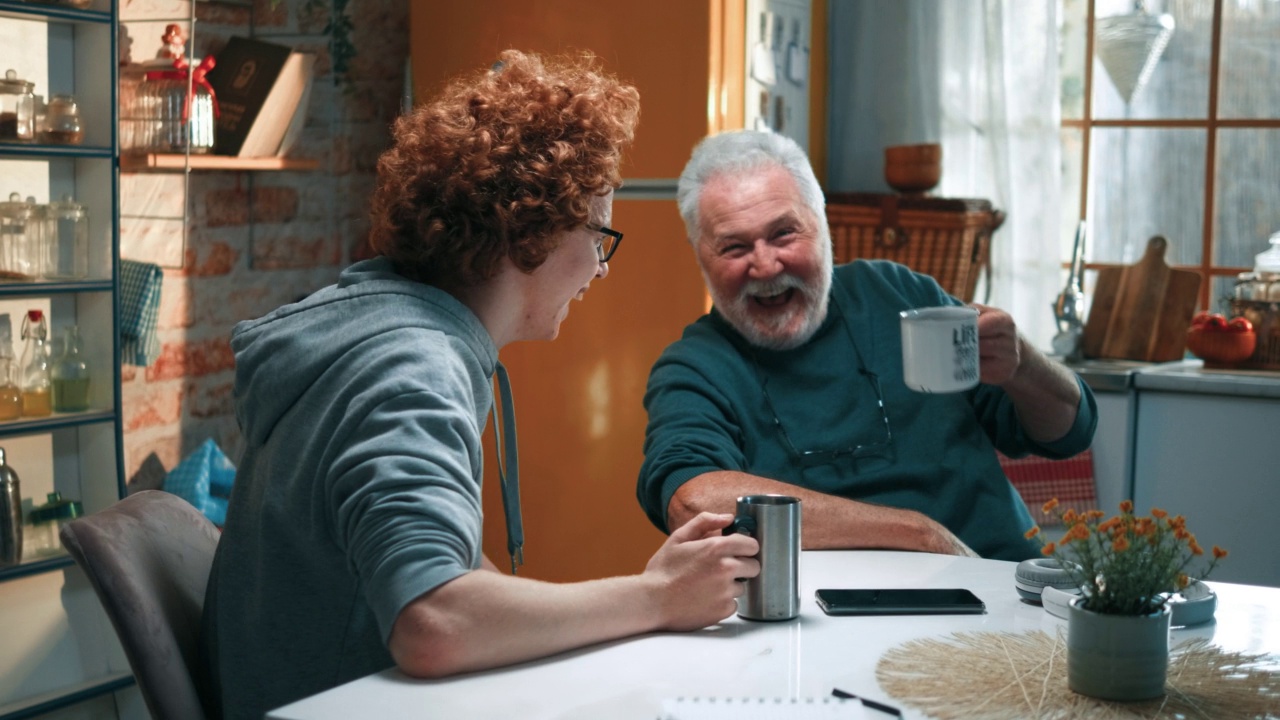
[769,331]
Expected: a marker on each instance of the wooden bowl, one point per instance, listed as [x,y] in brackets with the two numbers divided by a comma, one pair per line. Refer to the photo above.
[913,168]
[1221,347]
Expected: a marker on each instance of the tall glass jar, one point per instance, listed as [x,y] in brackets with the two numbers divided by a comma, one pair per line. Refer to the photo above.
[19,239]
[33,373]
[179,119]
[17,109]
[70,375]
[10,395]
[65,241]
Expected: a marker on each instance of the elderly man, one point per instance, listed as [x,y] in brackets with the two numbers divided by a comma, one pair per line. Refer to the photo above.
[793,384]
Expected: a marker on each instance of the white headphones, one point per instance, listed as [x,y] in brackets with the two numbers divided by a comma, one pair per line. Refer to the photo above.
[1043,581]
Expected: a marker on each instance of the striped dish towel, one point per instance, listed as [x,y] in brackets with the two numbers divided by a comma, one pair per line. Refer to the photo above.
[139,309]
[1039,480]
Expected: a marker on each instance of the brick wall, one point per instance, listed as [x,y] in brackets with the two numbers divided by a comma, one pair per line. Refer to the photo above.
[254,241]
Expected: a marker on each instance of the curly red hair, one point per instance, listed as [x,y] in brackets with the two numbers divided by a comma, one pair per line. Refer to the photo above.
[498,165]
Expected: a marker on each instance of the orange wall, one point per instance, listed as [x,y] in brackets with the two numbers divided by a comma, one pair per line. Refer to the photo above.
[578,399]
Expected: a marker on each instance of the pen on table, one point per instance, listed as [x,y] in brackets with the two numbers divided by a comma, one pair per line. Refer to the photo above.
[889,709]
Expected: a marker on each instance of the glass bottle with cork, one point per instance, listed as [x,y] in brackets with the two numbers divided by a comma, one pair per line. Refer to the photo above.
[34,380]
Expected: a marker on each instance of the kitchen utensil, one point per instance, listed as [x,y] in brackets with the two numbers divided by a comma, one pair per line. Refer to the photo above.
[1066,308]
[10,515]
[1141,312]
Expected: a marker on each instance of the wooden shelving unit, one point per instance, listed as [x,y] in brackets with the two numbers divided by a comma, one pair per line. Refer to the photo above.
[142,162]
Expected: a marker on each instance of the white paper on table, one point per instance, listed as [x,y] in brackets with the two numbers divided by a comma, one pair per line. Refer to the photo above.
[729,708]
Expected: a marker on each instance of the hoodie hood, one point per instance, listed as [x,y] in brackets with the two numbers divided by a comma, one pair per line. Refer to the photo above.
[280,356]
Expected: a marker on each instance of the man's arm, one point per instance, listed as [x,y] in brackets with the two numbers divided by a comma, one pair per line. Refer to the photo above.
[486,619]
[828,521]
[1044,393]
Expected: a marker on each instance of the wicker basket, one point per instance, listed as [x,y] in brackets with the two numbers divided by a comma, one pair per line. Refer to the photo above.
[1265,316]
[948,239]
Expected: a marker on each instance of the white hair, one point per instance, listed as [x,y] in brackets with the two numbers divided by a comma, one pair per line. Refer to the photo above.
[740,151]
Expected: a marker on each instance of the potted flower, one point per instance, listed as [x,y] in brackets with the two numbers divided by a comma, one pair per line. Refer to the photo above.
[1126,567]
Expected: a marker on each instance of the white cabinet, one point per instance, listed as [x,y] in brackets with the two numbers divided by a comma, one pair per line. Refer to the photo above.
[58,650]
[1215,459]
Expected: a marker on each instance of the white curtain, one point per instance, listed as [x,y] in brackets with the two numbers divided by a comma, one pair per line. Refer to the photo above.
[981,77]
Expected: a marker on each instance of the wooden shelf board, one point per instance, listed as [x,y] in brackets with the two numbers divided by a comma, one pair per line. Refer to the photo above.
[134,162]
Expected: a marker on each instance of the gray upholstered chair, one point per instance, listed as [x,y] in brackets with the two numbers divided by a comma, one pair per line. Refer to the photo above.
[148,558]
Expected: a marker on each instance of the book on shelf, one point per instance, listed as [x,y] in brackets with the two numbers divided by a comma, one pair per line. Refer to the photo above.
[262,90]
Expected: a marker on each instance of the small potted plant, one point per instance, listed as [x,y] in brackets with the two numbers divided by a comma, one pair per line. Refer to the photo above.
[1126,568]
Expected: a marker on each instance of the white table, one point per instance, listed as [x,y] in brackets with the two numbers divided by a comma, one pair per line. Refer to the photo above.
[805,657]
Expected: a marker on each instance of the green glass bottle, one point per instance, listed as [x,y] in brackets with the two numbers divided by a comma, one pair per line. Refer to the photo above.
[70,375]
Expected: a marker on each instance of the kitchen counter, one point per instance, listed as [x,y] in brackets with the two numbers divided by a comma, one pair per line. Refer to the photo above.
[1180,376]
[1191,376]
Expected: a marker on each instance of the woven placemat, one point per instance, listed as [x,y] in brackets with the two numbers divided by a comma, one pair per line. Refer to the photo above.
[1014,676]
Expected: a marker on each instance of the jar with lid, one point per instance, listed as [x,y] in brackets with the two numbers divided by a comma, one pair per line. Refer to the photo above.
[1263,283]
[19,239]
[44,522]
[17,109]
[65,241]
[62,122]
[182,110]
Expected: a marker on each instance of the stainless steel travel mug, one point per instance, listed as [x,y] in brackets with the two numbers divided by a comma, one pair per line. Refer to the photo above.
[774,521]
[10,515]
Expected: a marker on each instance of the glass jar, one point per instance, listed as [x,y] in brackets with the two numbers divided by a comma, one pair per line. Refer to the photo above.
[19,239]
[17,109]
[70,375]
[177,120]
[1263,282]
[62,122]
[40,536]
[65,241]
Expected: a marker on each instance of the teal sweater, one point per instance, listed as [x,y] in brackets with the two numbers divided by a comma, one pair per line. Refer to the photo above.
[708,411]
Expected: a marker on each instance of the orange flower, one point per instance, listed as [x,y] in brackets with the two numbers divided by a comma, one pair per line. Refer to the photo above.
[1094,515]
[1121,544]
[1195,547]
[1158,513]
[1048,549]
[1034,531]
[1069,517]
[1049,506]
[1183,580]
[1106,525]
[1218,553]
[1126,506]
[1080,531]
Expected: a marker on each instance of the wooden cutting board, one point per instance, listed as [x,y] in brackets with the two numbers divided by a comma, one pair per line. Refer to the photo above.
[1141,312]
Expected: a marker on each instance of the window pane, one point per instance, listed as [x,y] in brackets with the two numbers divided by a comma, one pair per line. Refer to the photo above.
[1144,182]
[1221,290]
[1178,84]
[1247,194]
[1072,157]
[1250,59]
[1072,30]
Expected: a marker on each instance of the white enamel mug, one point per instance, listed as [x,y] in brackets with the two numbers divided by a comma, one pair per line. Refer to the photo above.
[940,348]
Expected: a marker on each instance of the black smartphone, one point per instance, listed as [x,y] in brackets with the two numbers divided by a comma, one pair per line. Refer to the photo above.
[913,601]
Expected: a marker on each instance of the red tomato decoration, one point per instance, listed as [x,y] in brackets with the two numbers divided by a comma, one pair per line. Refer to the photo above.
[1240,325]
[1200,318]
[1214,323]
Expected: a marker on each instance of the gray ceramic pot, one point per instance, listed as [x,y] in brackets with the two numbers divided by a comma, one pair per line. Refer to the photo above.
[1117,657]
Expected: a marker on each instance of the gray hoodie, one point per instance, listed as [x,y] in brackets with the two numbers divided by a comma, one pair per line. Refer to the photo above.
[362,408]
